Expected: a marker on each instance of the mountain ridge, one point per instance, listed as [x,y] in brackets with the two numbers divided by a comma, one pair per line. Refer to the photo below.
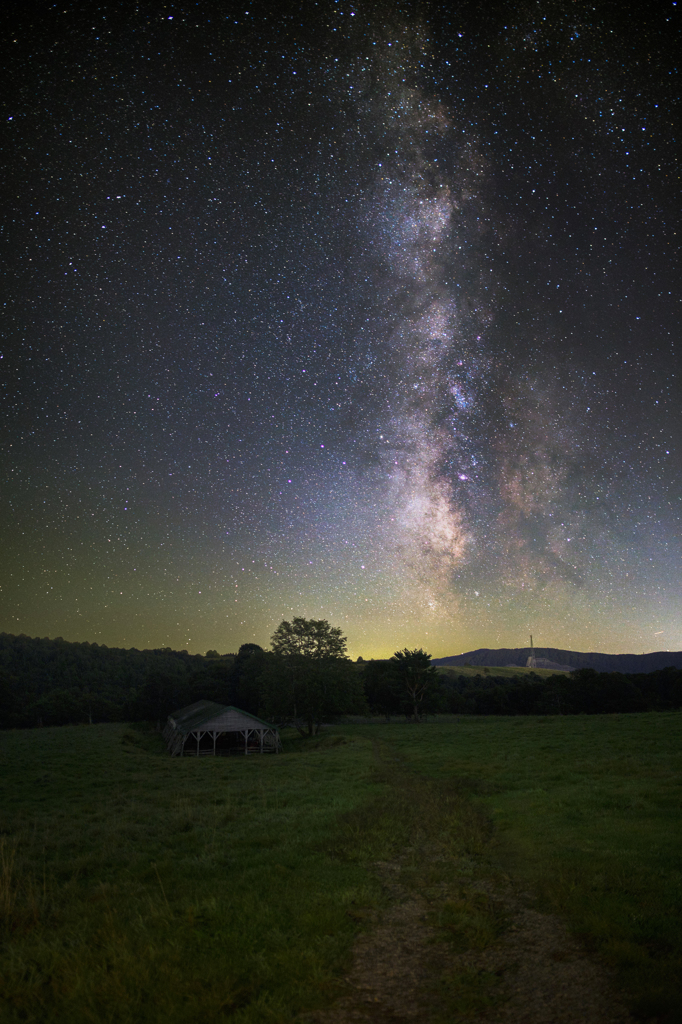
[627,663]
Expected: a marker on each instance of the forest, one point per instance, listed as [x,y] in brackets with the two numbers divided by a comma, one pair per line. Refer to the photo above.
[301,680]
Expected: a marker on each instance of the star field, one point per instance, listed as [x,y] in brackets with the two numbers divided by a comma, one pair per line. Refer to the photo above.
[360,312]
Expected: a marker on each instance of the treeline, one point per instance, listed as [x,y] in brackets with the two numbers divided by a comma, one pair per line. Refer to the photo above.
[584,692]
[53,682]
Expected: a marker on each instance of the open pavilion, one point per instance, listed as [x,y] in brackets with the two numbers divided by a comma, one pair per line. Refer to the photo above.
[208,729]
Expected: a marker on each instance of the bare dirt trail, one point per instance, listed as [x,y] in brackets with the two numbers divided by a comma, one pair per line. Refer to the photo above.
[532,973]
[456,943]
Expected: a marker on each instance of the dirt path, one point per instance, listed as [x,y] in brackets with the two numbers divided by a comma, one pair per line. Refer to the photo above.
[532,972]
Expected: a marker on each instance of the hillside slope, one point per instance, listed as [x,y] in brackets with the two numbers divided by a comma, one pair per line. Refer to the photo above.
[576,659]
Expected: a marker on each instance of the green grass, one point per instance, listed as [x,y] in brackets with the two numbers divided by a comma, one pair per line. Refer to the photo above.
[139,888]
[135,887]
[588,815]
[506,671]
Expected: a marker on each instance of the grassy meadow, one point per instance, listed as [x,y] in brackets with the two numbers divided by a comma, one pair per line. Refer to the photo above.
[136,887]
[502,672]
[139,888]
[587,814]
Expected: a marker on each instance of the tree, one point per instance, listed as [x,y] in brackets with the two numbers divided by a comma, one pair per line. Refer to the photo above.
[308,679]
[246,650]
[212,682]
[418,681]
[230,680]
[160,695]
[311,638]
[245,685]
[382,688]
[309,691]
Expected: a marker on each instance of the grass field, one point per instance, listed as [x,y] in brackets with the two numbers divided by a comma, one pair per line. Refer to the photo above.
[504,672]
[136,888]
[588,815]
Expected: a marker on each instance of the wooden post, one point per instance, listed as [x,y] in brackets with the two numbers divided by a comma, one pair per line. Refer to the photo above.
[246,741]
[214,739]
[198,741]
[261,741]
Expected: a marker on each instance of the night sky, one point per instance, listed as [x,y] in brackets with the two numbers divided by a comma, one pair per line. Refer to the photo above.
[360,312]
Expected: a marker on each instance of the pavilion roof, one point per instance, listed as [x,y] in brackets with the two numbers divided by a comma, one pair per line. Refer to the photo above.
[192,717]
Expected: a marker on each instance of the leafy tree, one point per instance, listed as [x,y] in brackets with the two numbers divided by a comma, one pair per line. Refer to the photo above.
[245,685]
[308,691]
[307,679]
[211,683]
[382,688]
[159,696]
[311,638]
[246,650]
[418,681]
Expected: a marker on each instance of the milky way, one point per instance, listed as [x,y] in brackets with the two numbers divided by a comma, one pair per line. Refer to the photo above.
[353,312]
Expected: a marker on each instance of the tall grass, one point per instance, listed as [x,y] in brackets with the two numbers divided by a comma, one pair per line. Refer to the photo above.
[8,893]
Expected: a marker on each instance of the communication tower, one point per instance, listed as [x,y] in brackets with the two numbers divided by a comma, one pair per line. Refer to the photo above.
[531,663]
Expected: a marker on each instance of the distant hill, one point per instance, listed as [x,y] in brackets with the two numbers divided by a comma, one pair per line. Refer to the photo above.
[628,663]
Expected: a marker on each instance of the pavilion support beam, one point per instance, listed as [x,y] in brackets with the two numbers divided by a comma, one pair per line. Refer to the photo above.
[230,724]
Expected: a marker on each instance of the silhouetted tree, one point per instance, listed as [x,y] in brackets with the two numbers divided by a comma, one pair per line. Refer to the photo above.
[382,688]
[159,696]
[311,638]
[245,684]
[211,682]
[246,650]
[307,679]
[309,691]
[418,681]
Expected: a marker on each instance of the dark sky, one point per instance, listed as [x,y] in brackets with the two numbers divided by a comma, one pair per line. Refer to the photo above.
[361,312]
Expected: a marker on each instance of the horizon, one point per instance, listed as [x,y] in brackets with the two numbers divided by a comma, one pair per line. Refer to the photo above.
[352,656]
